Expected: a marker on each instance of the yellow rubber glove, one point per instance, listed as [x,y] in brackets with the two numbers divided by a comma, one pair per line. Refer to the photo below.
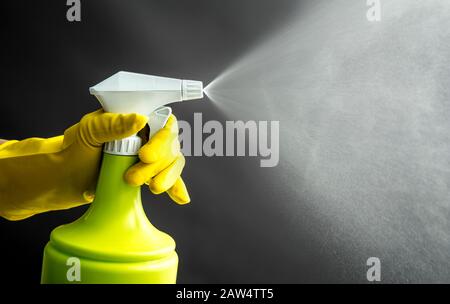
[161,163]
[39,175]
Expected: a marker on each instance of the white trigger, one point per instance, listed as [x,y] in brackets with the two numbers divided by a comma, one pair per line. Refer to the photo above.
[158,119]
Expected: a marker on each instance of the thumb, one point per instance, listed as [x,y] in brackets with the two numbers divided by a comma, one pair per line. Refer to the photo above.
[99,127]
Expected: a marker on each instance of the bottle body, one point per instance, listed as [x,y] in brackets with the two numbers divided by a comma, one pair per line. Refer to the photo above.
[113,242]
[60,268]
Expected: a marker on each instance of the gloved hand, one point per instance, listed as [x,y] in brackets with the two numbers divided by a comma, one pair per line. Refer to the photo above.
[39,175]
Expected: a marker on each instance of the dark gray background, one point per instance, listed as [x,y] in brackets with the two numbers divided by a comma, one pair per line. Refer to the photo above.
[225,235]
[237,228]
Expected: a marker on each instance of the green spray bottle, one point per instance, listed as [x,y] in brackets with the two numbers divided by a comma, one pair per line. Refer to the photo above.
[114,242]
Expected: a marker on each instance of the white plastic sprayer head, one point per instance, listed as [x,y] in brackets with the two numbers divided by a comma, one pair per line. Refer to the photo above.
[192,89]
[126,92]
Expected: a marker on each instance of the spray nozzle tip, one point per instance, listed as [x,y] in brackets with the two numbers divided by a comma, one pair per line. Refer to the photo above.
[192,89]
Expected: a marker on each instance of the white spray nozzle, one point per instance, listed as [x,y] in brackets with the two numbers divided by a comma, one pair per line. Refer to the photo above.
[192,89]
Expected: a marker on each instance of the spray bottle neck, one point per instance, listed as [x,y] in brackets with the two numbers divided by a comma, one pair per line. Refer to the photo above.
[125,146]
[114,197]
